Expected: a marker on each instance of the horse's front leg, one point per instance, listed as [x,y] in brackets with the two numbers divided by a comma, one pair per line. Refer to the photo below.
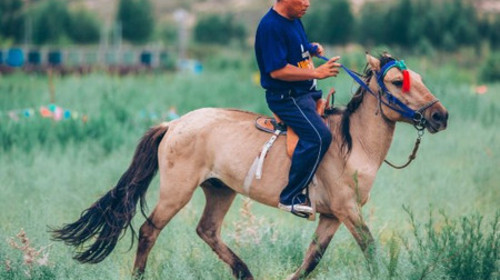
[326,229]
[361,233]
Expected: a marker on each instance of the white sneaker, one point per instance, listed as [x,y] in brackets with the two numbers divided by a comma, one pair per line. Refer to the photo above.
[297,208]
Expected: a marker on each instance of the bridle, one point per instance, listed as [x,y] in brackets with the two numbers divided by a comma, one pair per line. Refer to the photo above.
[393,103]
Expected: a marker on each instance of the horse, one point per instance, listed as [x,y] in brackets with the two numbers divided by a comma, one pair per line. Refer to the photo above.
[214,148]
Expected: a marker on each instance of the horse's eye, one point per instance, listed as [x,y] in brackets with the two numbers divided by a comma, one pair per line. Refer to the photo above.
[398,83]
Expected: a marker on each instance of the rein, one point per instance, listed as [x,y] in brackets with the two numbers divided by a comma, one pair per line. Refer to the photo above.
[413,154]
[394,103]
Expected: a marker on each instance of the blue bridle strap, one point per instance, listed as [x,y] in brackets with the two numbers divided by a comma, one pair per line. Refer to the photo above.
[404,110]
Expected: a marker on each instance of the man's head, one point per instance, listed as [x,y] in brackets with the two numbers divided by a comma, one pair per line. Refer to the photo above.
[292,9]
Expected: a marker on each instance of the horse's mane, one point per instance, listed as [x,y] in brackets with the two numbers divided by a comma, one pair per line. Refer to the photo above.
[353,105]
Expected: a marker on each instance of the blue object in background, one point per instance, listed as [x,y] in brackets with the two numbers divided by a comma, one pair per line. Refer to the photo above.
[67,114]
[15,57]
[146,58]
[34,57]
[198,68]
[55,57]
[1,57]
[190,65]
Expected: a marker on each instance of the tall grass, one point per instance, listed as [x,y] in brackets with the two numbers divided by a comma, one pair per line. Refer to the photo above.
[50,171]
[455,249]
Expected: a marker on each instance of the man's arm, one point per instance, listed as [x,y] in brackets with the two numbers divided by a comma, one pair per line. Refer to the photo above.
[292,73]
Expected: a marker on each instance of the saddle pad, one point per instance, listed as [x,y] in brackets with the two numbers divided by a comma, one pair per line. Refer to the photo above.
[271,125]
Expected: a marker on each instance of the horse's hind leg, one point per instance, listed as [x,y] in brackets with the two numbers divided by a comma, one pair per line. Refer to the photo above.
[326,229]
[174,195]
[219,199]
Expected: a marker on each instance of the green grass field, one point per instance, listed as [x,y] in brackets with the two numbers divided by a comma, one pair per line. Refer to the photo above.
[51,171]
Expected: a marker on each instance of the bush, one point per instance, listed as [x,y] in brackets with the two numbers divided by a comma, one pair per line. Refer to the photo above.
[490,71]
[216,29]
[136,18]
[83,27]
[50,21]
[168,33]
[399,19]
[371,27]
[450,249]
[11,19]
[424,47]
[494,33]
[330,22]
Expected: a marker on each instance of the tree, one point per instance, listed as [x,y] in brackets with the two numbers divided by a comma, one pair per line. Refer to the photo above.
[50,21]
[83,27]
[399,19]
[12,19]
[464,23]
[372,28]
[339,22]
[330,22]
[136,18]
[216,29]
[494,34]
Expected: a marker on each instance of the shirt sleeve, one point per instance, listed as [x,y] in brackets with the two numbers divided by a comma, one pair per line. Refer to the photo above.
[272,44]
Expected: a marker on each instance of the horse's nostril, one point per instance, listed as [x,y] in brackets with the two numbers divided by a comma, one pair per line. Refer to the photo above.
[436,116]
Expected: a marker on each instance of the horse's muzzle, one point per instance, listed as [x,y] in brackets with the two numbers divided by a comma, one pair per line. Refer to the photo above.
[437,118]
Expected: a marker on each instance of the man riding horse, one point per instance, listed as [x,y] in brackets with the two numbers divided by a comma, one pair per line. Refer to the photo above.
[197,151]
[289,78]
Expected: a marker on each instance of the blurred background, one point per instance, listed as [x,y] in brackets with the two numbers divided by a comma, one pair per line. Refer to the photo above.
[80,35]
[82,80]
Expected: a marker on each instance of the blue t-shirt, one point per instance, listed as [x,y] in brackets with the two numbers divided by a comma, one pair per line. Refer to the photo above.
[278,42]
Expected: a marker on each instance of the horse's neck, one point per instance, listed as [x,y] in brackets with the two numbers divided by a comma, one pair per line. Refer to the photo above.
[371,133]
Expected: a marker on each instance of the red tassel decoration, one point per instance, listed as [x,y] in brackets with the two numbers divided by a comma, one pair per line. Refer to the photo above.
[406,81]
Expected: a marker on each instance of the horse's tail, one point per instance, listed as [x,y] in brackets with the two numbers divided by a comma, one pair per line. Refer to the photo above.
[106,221]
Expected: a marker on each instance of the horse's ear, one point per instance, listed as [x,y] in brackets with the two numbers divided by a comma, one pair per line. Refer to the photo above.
[374,63]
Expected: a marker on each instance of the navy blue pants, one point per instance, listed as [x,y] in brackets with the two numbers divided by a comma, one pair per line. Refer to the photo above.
[299,112]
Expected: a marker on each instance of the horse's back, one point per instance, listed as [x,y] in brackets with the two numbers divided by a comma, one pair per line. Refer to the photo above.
[223,144]
[213,114]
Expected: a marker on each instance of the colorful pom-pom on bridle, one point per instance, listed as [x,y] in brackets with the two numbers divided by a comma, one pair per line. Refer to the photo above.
[406,74]
[406,81]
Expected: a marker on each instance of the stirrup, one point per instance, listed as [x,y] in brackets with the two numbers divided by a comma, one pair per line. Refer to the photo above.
[301,214]
[311,216]
[292,208]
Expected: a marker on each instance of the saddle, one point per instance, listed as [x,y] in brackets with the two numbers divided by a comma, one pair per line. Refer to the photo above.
[276,126]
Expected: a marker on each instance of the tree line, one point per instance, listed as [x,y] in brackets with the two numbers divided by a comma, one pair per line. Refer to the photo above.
[412,24]
[53,22]
[441,24]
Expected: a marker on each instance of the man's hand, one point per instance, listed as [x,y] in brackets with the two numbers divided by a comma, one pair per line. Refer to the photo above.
[292,73]
[328,69]
[319,49]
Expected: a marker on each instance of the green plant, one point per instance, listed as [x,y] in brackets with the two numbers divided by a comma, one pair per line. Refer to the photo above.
[460,250]
[50,21]
[137,20]
[12,19]
[83,27]
[490,70]
[217,29]
[324,20]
